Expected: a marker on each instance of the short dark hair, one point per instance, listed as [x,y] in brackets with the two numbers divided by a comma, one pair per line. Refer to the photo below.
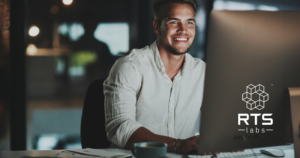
[158,7]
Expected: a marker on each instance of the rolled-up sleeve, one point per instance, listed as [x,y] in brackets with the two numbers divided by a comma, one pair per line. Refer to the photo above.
[120,90]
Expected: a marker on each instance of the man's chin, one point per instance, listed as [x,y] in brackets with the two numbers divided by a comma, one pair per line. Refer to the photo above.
[178,53]
[175,51]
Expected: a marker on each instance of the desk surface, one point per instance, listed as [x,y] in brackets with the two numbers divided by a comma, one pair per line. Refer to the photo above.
[288,149]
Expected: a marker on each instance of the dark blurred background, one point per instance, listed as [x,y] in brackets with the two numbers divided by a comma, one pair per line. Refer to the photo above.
[70,43]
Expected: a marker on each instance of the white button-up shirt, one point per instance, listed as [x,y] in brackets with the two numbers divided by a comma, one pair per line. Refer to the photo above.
[138,93]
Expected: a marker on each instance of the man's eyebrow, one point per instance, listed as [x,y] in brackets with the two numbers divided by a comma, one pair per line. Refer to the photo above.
[172,19]
[178,19]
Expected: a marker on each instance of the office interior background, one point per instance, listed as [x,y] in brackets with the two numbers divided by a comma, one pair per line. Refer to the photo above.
[70,43]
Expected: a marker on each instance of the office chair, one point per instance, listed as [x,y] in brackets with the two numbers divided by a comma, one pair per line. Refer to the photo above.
[92,131]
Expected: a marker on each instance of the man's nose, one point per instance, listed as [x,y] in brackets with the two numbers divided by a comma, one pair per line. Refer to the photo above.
[182,28]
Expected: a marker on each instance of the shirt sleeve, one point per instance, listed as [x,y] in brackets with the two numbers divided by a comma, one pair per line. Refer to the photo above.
[120,91]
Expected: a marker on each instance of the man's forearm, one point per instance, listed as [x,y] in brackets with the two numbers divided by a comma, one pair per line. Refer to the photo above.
[144,135]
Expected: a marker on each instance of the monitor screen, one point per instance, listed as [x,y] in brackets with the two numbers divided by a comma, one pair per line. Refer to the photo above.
[252,58]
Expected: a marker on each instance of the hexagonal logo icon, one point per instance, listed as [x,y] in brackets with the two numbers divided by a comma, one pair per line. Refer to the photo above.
[255,97]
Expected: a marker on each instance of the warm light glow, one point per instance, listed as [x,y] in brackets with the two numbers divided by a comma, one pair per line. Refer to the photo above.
[34,31]
[31,49]
[54,9]
[67,2]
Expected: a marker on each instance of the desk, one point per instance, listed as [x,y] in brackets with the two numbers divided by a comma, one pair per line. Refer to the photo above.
[20,154]
[288,149]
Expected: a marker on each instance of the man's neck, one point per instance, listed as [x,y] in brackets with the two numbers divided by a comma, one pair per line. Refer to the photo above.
[172,63]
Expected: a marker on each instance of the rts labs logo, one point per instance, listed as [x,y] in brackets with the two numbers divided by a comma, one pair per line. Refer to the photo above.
[255,98]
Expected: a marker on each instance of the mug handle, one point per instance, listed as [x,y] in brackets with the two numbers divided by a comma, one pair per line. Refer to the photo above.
[133,150]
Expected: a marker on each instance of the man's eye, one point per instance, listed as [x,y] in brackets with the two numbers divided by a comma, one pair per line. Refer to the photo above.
[190,23]
[174,22]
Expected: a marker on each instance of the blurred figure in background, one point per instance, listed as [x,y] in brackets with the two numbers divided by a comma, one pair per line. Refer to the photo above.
[90,46]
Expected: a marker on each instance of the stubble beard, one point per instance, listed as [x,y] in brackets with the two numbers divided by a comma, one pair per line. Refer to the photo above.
[175,51]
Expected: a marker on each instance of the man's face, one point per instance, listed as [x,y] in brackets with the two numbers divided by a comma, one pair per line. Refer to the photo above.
[177,31]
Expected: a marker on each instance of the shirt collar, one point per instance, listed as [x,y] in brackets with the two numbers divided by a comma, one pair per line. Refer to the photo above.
[160,64]
[157,59]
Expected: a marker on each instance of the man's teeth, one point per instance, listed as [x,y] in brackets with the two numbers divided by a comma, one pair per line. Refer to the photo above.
[180,39]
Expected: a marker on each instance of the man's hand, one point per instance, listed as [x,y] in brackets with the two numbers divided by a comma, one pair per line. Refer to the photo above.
[184,146]
[187,145]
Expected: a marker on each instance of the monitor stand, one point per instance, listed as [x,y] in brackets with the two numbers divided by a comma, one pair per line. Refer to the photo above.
[295,112]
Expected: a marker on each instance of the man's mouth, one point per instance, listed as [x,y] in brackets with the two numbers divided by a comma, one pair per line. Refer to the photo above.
[180,39]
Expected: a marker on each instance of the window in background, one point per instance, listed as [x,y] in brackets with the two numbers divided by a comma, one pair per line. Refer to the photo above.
[57,141]
[77,43]
[52,129]
[263,5]
[115,35]
[79,60]
[63,29]
[241,5]
[197,48]
[74,30]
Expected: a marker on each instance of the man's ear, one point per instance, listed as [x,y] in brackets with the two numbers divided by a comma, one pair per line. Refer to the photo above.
[156,27]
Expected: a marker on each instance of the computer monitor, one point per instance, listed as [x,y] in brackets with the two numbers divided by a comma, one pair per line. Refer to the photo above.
[252,58]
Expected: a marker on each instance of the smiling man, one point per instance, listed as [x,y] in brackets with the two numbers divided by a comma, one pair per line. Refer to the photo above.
[154,94]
